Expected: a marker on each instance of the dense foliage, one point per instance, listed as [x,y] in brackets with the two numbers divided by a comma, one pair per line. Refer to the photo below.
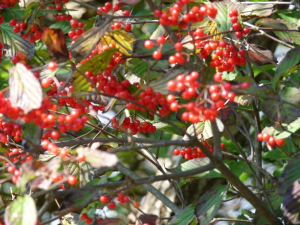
[149,112]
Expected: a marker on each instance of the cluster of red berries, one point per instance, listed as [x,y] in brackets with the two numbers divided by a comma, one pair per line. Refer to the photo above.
[270,140]
[193,153]
[7,4]
[108,5]
[56,177]
[89,220]
[74,34]
[16,154]
[58,6]
[196,14]
[33,34]
[12,129]
[239,32]
[137,126]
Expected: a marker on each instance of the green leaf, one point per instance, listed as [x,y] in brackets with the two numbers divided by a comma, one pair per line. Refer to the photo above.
[241,217]
[284,109]
[96,64]
[257,10]
[15,42]
[196,163]
[97,158]
[184,217]
[65,26]
[203,130]
[238,167]
[140,68]
[275,154]
[290,174]
[230,145]
[21,211]
[222,19]
[11,13]
[229,76]
[289,36]
[209,203]
[278,172]
[289,63]
[25,89]
[290,16]
[91,214]
[281,133]
[167,127]
[29,9]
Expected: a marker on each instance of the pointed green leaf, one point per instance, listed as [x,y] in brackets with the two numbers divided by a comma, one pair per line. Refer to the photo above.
[21,211]
[184,217]
[257,10]
[289,63]
[209,203]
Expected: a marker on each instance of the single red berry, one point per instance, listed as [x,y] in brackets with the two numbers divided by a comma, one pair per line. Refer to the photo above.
[176,151]
[260,137]
[72,180]
[88,220]
[111,205]
[178,46]
[218,77]
[233,12]
[52,66]
[127,27]
[136,204]
[156,55]
[11,169]
[272,141]
[157,12]
[80,157]
[238,34]
[237,26]
[245,85]
[83,216]
[266,136]
[104,199]
[246,30]
[231,96]
[160,40]
[148,44]
[279,142]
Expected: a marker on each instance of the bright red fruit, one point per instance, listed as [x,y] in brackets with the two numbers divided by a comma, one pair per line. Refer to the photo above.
[104,199]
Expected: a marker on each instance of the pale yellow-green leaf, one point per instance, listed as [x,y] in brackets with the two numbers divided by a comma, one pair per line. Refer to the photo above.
[25,89]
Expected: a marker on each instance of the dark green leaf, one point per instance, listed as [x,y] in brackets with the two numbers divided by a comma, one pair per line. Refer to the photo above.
[290,174]
[21,211]
[184,217]
[241,217]
[291,199]
[65,26]
[209,203]
[11,13]
[275,154]
[196,163]
[285,109]
[287,65]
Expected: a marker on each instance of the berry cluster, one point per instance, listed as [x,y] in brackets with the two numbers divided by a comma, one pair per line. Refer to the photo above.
[193,153]
[12,129]
[270,140]
[239,32]
[32,35]
[7,4]
[58,6]
[137,126]
[56,177]
[78,26]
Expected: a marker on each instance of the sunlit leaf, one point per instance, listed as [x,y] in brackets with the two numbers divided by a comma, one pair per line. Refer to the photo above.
[289,36]
[86,42]
[196,163]
[120,38]
[184,217]
[56,44]
[282,131]
[209,203]
[257,10]
[97,158]
[287,65]
[222,19]
[21,211]
[15,42]
[96,64]
[25,89]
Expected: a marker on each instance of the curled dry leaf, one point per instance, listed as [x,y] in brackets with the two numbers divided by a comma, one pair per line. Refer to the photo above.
[150,219]
[97,158]
[257,10]
[260,55]
[25,89]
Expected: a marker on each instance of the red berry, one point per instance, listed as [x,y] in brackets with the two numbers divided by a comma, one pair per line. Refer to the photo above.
[272,141]
[260,137]
[157,12]
[111,205]
[11,169]
[178,46]
[246,30]
[237,26]
[127,27]
[83,216]
[218,77]
[148,44]
[176,151]
[136,204]
[88,220]
[245,85]
[266,136]
[233,12]
[80,157]
[52,66]
[55,135]
[13,22]
[231,96]
[279,142]
[160,40]
[104,199]
[72,180]
[156,55]
[238,34]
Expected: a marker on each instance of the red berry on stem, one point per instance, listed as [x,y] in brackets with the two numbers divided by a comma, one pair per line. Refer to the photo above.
[279,142]
[260,137]
[104,199]
[111,205]
[266,136]
[72,180]
[156,55]
[148,44]
[272,141]
[52,66]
